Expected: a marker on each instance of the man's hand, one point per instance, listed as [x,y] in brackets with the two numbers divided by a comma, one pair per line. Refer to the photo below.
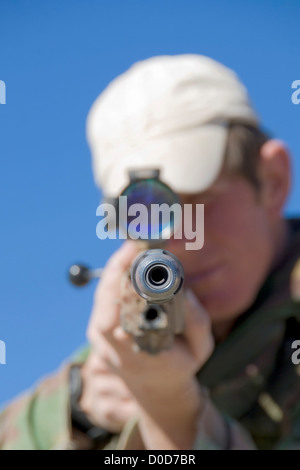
[160,390]
[105,399]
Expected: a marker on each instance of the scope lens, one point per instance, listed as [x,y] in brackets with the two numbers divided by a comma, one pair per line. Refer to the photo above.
[149,220]
[150,201]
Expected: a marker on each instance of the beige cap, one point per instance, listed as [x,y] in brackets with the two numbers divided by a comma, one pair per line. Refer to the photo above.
[167,112]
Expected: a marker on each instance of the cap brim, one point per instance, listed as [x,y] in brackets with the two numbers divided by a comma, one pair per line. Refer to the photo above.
[189,161]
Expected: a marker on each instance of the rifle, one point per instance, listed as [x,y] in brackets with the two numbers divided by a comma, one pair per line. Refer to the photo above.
[156,315]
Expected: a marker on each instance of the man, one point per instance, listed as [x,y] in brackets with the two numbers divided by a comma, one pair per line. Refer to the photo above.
[229,381]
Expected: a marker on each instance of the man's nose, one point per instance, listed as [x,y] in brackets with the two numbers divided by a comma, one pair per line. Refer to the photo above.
[175,245]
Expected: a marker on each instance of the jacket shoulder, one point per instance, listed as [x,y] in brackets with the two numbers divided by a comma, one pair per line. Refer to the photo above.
[38,419]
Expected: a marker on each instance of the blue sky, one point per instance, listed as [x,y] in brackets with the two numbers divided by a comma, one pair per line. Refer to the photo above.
[56,57]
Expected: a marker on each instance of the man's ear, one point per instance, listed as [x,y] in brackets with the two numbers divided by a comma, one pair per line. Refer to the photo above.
[275,176]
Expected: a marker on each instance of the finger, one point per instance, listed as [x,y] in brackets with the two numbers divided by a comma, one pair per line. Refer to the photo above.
[115,413]
[106,310]
[197,328]
[112,386]
[116,266]
[104,351]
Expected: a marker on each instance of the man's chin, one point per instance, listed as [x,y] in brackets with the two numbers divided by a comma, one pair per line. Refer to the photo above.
[224,308]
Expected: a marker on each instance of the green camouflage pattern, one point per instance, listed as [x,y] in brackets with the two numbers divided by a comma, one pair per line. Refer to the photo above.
[250,377]
[38,419]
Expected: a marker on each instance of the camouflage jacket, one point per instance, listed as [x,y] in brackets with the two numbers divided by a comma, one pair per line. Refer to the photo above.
[250,377]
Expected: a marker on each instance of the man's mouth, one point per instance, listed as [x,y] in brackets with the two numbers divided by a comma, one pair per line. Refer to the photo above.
[203,274]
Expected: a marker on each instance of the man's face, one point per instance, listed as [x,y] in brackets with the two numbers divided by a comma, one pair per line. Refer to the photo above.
[227,273]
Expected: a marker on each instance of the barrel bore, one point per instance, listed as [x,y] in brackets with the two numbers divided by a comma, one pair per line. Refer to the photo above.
[157,276]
